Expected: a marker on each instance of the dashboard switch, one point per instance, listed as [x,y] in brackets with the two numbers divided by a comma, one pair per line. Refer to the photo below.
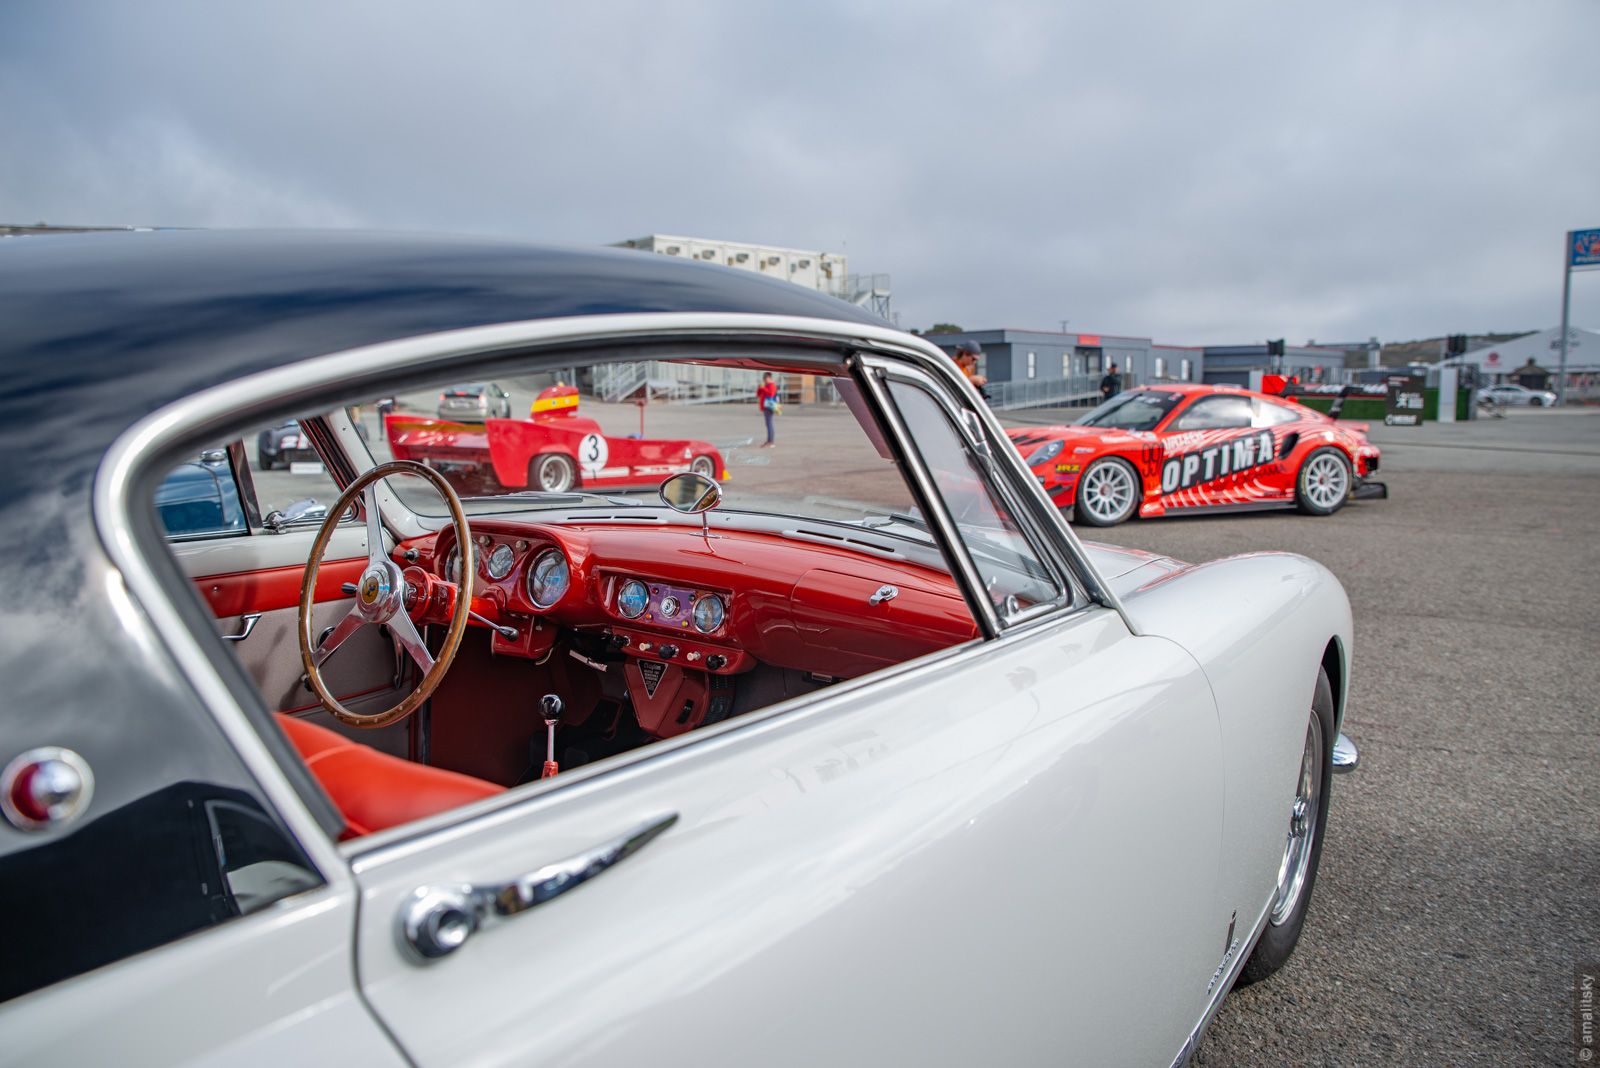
[716,661]
[691,656]
[667,652]
[644,647]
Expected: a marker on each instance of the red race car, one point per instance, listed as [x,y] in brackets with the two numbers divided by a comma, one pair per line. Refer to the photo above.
[554,451]
[1185,448]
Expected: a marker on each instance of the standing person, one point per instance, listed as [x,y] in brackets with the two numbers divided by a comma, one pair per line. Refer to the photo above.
[767,400]
[967,354]
[1110,385]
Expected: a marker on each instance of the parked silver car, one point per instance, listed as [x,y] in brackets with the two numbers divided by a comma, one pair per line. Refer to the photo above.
[475,402]
[1511,393]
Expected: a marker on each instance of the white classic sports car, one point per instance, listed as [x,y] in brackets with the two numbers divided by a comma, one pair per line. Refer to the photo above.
[849,752]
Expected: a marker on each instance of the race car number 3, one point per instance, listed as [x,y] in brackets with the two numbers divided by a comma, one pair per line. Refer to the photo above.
[592,453]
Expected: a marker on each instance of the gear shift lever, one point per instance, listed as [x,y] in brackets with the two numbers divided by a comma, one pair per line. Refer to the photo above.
[550,707]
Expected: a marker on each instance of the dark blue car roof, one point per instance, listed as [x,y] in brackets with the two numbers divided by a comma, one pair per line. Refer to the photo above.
[101,329]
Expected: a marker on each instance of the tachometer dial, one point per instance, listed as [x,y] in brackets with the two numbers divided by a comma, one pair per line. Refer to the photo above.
[709,612]
[498,566]
[452,565]
[548,578]
[632,599]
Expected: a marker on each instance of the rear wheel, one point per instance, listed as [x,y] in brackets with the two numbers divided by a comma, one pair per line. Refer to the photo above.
[551,473]
[1108,493]
[1302,850]
[263,461]
[1323,484]
[704,465]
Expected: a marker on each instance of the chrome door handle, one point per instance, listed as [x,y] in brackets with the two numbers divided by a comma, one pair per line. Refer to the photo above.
[435,921]
[247,623]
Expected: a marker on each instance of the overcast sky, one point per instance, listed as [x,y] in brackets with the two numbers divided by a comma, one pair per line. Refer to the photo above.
[1197,172]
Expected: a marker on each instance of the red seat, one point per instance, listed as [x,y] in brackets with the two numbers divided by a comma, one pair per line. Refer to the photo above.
[374,790]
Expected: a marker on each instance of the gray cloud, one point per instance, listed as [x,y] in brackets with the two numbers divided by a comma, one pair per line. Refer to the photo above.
[1195,172]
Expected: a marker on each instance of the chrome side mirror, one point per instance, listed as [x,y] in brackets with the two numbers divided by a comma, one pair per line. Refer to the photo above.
[691,493]
[307,510]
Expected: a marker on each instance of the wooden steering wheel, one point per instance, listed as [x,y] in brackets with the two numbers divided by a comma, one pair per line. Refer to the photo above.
[381,598]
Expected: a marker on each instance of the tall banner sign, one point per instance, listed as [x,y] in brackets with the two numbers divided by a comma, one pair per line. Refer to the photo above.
[1582,253]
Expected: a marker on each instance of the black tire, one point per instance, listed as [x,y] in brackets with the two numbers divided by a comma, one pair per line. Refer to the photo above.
[1313,483]
[1277,942]
[552,472]
[1537,402]
[263,462]
[704,465]
[1108,471]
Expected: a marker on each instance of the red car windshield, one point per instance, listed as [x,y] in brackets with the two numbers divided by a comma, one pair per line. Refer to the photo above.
[1139,409]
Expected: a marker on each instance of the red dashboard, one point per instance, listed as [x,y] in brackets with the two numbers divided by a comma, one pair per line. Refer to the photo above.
[710,605]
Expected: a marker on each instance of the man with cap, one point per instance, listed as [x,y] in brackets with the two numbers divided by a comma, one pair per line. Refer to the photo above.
[967,354]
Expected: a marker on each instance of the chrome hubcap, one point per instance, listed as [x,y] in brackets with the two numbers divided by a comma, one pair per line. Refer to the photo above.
[1302,827]
[1326,481]
[1106,492]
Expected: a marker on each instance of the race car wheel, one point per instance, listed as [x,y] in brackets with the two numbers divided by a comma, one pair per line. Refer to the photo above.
[1108,493]
[552,473]
[264,462]
[1302,850]
[1323,484]
[704,465]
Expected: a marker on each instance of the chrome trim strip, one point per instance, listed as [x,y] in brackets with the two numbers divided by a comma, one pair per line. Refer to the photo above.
[1192,1043]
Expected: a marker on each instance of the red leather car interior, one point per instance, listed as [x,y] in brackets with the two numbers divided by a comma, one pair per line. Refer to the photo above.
[374,790]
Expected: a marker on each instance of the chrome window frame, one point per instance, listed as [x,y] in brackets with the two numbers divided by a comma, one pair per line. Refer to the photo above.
[1071,594]
[164,433]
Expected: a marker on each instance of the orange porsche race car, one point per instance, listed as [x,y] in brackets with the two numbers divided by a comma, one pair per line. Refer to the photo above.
[1161,449]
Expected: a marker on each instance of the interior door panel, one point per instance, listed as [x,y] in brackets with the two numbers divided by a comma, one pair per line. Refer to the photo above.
[261,574]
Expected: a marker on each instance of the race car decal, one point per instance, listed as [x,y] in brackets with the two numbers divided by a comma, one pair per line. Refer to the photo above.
[1225,458]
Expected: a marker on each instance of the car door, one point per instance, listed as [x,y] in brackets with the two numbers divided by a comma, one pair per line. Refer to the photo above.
[1004,853]
[1213,455]
[249,573]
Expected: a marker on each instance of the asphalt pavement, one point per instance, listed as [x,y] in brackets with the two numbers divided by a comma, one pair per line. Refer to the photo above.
[1460,878]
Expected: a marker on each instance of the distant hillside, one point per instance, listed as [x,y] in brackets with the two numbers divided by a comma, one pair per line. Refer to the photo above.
[1431,349]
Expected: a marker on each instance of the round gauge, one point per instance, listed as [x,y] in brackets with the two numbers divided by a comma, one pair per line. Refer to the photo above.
[548,578]
[498,566]
[669,606]
[708,613]
[452,565]
[633,599]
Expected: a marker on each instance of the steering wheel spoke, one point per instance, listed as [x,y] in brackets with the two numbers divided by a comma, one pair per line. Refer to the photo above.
[369,501]
[380,598]
[345,627]
[405,632]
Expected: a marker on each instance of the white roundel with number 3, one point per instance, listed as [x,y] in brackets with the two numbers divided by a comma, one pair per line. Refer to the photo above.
[592,453]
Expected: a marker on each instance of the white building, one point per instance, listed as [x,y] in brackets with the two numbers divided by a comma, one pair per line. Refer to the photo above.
[823,271]
[1543,348]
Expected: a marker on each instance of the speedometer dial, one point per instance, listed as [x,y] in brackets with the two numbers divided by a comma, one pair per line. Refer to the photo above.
[708,612]
[499,563]
[548,578]
[452,565]
[632,599]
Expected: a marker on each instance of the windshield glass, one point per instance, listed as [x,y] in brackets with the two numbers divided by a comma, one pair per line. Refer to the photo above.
[1139,409]
[780,440]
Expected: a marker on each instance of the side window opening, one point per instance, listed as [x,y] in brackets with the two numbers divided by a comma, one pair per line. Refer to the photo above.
[1013,572]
